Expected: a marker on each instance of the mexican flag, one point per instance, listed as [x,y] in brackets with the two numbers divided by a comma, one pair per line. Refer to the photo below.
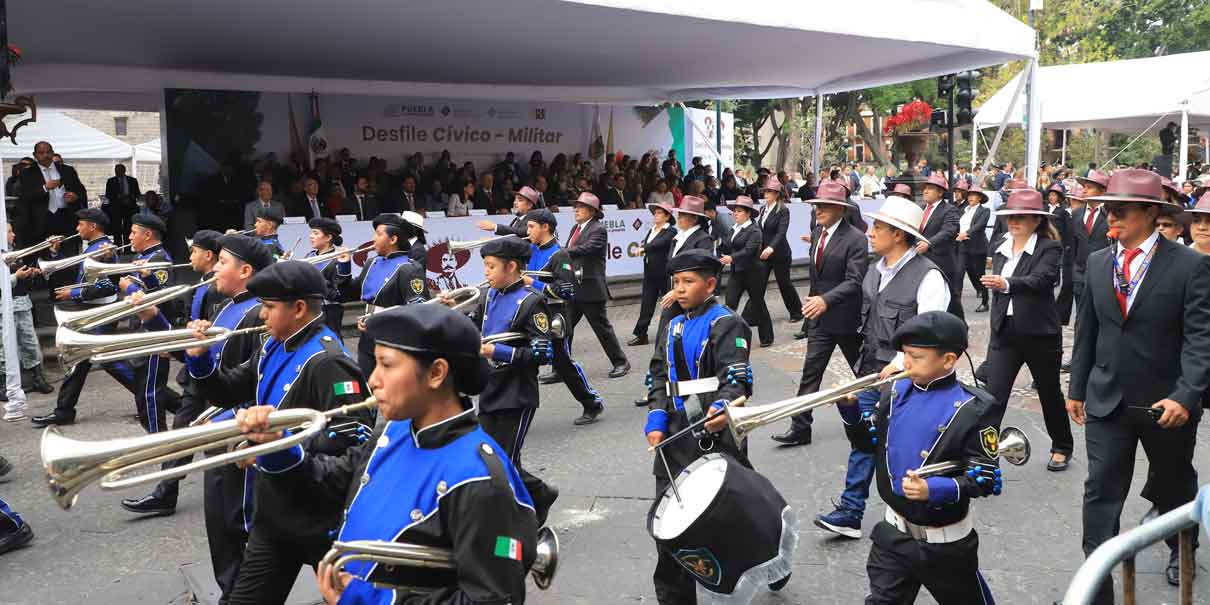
[317,141]
[346,388]
[508,548]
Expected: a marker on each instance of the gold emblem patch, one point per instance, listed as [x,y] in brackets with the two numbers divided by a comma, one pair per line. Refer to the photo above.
[162,276]
[990,440]
[417,285]
[541,322]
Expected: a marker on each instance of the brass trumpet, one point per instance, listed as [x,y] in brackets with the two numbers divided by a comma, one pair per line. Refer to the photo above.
[181,340]
[94,269]
[16,255]
[72,464]
[459,246]
[337,253]
[54,266]
[1013,448]
[91,319]
[546,557]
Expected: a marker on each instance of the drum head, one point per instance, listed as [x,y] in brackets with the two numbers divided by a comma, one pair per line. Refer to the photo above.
[698,485]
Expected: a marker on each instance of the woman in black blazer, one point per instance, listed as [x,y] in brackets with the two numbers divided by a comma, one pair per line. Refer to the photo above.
[655,250]
[740,249]
[972,242]
[774,221]
[1024,318]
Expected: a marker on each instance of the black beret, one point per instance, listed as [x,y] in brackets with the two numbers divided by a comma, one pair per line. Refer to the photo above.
[435,331]
[325,224]
[150,221]
[288,280]
[933,330]
[389,219]
[542,216]
[270,214]
[94,215]
[507,247]
[694,260]
[208,240]
[248,249]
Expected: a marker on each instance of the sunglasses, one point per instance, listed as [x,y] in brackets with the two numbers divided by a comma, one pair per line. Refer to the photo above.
[1118,209]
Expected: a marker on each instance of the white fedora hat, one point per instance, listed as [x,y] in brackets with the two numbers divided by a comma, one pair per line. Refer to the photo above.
[901,213]
[413,218]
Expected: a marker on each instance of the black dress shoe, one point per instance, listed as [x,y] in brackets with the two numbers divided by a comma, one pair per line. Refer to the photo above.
[793,437]
[38,381]
[800,335]
[543,500]
[641,402]
[549,378]
[764,345]
[982,308]
[637,341]
[17,539]
[619,371]
[1056,466]
[1172,573]
[52,418]
[154,506]
[589,416]
[5,468]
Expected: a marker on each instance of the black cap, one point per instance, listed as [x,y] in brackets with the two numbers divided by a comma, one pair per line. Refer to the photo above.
[389,219]
[542,216]
[329,226]
[94,215]
[150,221]
[288,280]
[248,249]
[435,331]
[694,260]
[933,330]
[270,214]
[207,239]
[507,248]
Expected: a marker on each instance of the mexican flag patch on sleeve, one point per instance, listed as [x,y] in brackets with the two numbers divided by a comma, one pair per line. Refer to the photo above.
[351,387]
[740,343]
[508,548]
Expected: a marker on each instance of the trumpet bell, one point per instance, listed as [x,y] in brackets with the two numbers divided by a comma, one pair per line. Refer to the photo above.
[546,558]
[558,327]
[1014,445]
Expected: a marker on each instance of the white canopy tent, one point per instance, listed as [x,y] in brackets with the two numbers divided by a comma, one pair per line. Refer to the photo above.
[71,138]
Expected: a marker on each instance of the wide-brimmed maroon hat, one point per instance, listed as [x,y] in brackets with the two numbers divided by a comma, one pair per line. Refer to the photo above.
[1024,202]
[529,193]
[902,190]
[843,182]
[937,180]
[771,184]
[1134,185]
[692,204]
[962,185]
[976,190]
[1170,187]
[831,192]
[588,199]
[742,201]
[1057,188]
[1203,205]
[1076,192]
[1012,185]
[1095,177]
[665,206]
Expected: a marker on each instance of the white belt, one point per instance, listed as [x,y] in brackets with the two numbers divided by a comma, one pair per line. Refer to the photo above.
[685,388]
[933,535]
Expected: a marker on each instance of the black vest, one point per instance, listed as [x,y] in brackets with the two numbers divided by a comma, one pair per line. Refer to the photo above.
[883,312]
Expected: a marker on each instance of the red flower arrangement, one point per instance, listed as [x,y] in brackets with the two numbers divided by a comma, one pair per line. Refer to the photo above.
[913,117]
[13,54]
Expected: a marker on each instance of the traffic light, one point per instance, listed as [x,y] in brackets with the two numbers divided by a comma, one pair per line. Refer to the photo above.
[939,120]
[944,85]
[964,96]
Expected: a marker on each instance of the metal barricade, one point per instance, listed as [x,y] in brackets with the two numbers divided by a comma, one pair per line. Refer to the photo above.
[1122,549]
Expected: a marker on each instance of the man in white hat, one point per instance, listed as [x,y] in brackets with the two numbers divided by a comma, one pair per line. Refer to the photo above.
[901,285]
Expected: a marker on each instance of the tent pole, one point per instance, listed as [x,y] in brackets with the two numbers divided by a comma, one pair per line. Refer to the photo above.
[991,153]
[1183,151]
[818,149]
[1063,157]
[1033,132]
[718,139]
[974,148]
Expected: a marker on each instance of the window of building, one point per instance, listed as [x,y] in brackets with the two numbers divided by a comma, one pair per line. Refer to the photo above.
[860,152]
[119,126]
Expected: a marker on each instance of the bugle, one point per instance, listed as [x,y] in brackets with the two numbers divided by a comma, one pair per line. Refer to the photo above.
[16,255]
[459,246]
[185,339]
[74,346]
[54,266]
[546,557]
[94,269]
[1012,446]
[90,319]
[72,464]
[578,274]
[334,254]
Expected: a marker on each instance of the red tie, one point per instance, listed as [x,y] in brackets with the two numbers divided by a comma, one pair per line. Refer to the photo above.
[574,234]
[1092,213]
[1130,256]
[928,211]
[823,240]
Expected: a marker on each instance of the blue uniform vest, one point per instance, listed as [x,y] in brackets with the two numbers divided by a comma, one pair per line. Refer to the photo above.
[502,309]
[695,334]
[379,273]
[915,422]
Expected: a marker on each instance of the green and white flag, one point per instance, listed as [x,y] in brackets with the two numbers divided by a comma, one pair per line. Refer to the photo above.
[508,548]
[351,387]
[317,141]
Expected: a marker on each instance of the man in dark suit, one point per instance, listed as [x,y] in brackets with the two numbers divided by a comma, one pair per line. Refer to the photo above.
[362,202]
[51,193]
[1090,229]
[839,261]
[613,195]
[1140,363]
[308,204]
[972,242]
[940,229]
[587,247]
[121,191]
[486,195]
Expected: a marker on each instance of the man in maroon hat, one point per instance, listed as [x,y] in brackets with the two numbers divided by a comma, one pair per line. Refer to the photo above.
[587,246]
[1089,228]
[940,229]
[525,200]
[1140,362]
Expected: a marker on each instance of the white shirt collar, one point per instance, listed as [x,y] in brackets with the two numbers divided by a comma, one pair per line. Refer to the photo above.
[907,256]
[684,235]
[832,230]
[1006,248]
[1145,246]
[740,226]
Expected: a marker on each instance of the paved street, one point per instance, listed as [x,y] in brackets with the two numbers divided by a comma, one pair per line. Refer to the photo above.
[97,553]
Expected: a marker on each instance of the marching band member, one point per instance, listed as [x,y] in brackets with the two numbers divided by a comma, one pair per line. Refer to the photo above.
[302,364]
[742,250]
[587,244]
[417,245]
[899,286]
[927,537]
[325,237]
[1025,318]
[524,201]
[14,531]
[655,250]
[268,221]
[972,242]
[429,475]
[510,397]
[90,225]
[390,279]
[203,257]
[774,221]
[839,262]
[1139,363]
[940,230]
[546,255]
[705,353]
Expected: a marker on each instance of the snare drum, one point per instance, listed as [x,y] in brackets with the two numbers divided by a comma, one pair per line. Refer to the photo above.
[732,531]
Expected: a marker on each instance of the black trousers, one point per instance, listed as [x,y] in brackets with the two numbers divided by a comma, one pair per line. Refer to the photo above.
[223,497]
[598,318]
[673,585]
[1111,443]
[751,284]
[954,278]
[509,428]
[73,384]
[899,565]
[365,354]
[780,267]
[1042,354]
[974,266]
[653,288]
[271,565]
[119,219]
[1066,297]
[154,399]
[820,346]
[572,374]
